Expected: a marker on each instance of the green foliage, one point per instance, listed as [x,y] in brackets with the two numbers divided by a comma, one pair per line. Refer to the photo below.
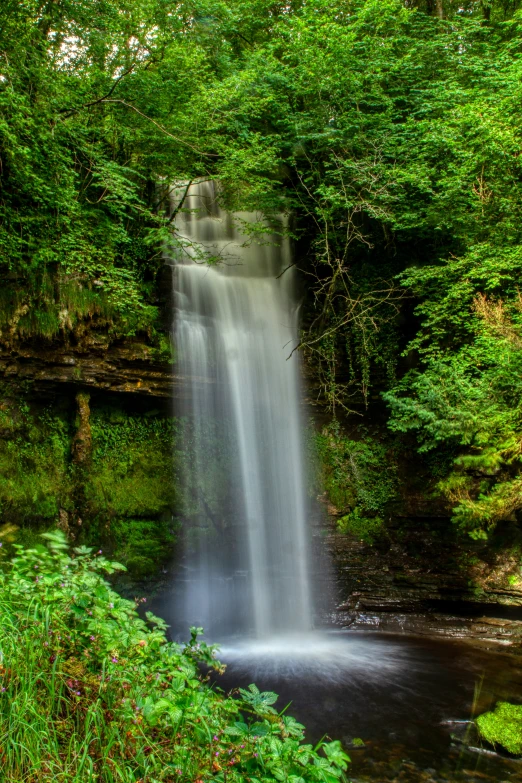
[90,690]
[359,477]
[83,143]
[398,150]
[464,393]
[364,118]
[471,398]
[503,727]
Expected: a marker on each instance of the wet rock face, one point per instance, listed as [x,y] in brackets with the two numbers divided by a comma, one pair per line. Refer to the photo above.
[423,578]
[482,630]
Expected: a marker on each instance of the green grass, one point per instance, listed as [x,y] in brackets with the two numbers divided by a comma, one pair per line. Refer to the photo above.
[91,692]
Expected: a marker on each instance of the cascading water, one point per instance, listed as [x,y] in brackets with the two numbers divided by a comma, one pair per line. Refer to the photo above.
[247,567]
[245,576]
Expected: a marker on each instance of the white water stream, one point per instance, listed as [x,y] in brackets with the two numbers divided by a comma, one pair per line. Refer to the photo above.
[235,328]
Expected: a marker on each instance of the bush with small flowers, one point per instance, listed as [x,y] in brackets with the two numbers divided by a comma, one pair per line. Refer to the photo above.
[89,691]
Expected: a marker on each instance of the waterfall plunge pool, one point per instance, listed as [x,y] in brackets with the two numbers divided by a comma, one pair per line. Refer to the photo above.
[408,699]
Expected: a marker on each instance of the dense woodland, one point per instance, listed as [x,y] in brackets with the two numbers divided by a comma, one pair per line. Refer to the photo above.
[390,132]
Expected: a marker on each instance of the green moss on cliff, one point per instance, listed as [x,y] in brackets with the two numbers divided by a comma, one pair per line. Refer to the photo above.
[130,487]
[122,497]
[35,474]
[131,472]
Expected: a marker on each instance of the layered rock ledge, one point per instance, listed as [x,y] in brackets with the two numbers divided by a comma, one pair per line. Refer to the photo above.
[120,366]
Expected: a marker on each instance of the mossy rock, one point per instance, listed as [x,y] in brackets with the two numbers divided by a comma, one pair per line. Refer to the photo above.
[141,566]
[143,545]
[367,529]
[503,727]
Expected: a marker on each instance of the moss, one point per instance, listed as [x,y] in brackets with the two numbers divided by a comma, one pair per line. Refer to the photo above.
[35,477]
[503,727]
[48,305]
[132,471]
[130,487]
[367,529]
[124,494]
[143,543]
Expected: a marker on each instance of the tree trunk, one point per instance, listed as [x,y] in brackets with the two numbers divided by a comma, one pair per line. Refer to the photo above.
[82,441]
[439,10]
[486,10]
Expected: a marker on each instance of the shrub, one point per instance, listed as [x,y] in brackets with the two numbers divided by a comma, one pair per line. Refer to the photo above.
[90,691]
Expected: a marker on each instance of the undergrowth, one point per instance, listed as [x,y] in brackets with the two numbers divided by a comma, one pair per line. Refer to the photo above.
[89,691]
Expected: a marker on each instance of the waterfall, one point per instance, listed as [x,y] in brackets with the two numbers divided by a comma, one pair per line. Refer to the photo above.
[245,506]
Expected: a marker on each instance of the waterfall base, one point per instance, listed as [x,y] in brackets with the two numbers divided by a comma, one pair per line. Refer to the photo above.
[327,656]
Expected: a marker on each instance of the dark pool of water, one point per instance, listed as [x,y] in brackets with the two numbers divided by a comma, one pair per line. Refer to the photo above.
[396,693]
